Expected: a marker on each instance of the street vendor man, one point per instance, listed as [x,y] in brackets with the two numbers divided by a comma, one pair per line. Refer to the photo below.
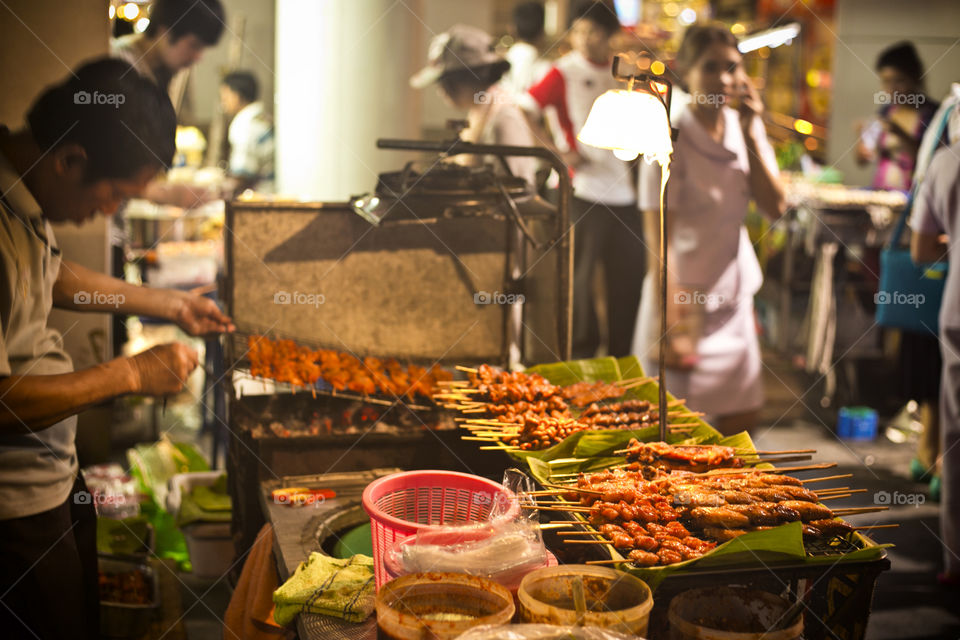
[89,143]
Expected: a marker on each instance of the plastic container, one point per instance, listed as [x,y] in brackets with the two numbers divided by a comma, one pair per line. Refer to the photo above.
[731,613]
[857,423]
[403,503]
[119,620]
[209,543]
[439,606]
[615,600]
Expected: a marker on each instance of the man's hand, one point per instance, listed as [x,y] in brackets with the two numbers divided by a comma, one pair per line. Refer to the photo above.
[198,316]
[162,370]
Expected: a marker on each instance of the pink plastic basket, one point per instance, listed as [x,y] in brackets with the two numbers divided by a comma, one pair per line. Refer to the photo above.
[401,504]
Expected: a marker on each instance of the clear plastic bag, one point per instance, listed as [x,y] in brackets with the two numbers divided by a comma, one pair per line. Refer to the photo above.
[540,632]
[503,551]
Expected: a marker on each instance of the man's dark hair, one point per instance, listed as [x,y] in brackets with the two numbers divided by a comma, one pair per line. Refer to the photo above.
[602,14]
[201,18]
[242,83]
[528,20]
[123,121]
[903,57]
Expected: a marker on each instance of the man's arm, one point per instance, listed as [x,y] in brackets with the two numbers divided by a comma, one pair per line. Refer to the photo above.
[81,289]
[32,403]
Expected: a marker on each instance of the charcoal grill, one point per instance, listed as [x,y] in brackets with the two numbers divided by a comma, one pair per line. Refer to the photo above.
[414,286]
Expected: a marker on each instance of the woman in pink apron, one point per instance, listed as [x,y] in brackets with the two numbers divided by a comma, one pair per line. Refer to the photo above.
[722,160]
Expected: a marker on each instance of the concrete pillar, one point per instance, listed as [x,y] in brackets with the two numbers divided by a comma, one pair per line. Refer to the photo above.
[342,72]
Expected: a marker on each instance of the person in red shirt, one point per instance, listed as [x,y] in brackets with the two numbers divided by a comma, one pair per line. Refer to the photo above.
[603,210]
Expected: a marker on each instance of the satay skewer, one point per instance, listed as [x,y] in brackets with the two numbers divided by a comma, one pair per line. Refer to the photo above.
[838,477]
[835,496]
[852,511]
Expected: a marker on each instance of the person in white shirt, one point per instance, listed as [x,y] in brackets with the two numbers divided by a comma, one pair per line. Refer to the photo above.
[251,131]
[721,161]
[608,228]
[527,67]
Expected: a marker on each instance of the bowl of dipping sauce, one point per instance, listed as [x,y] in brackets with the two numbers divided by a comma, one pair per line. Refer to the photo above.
[611,599]
[439,605]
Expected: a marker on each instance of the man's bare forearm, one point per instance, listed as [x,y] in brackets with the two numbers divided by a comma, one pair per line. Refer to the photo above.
[81,289]
[32,403]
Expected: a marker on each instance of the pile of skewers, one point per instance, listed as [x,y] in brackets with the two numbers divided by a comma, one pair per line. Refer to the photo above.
[656,515]
[522,411]
[300,366]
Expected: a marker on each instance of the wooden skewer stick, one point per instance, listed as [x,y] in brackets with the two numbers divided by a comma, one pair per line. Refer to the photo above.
[855,510]
[578,489]
[580,533]
[608,562]
[453,383]
[630,383]
[877,526]
[835,496]
[571,509]
[478,439]
[775,460]
[604,542]
[556,525]
[809,467]
[839,477]
[577,523]
[499,448]
[466,369]
[785,451]
[840,490]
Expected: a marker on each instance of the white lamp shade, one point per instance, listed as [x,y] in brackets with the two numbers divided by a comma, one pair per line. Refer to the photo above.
[631,123]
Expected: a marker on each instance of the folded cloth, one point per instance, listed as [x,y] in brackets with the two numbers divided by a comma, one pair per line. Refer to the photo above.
[328,586]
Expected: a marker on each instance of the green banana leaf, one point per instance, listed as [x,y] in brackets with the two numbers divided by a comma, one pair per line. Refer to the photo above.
[780,545]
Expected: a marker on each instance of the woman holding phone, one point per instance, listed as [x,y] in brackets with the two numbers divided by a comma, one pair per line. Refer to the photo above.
[722,161]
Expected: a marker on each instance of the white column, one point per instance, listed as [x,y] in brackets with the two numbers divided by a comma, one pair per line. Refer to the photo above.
[342,72]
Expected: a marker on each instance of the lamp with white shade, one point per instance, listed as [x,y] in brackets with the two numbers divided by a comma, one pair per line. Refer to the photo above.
[636,122]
